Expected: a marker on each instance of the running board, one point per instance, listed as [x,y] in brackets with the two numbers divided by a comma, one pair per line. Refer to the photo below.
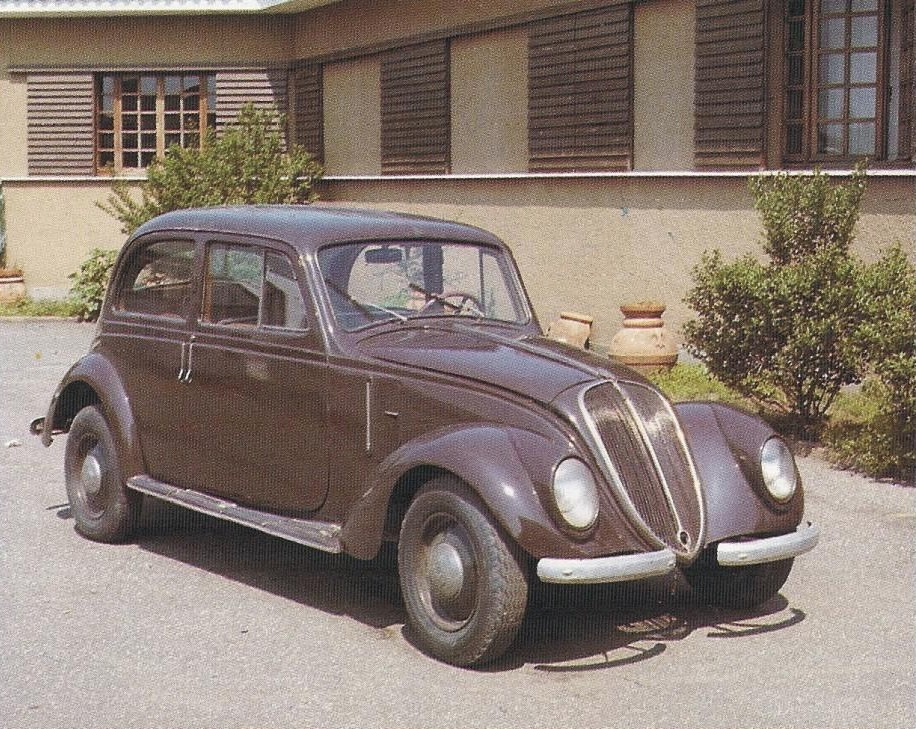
[318,534]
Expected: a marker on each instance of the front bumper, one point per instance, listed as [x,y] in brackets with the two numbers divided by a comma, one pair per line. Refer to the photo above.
[626,567]
[768,549]
[620,568]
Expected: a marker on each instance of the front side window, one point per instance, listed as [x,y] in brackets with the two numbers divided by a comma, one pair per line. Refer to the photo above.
[248,287]
[140,115]
[370,283]
[842,80]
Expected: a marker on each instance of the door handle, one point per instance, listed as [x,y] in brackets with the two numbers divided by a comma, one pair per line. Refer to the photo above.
[187,362]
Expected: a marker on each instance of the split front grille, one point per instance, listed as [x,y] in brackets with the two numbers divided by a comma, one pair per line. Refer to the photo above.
[647,462]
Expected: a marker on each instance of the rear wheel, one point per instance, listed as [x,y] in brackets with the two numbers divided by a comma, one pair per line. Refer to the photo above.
[736,587]
[103,508]
[463,583]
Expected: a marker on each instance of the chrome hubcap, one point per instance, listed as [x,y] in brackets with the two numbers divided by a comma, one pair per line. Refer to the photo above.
[91,475]
[445,570]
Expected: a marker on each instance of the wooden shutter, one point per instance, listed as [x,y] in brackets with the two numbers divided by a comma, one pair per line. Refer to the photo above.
[580,91]
[730,84]
[60,123]
[307,108]
[416,117]
[908,83]
[265,88]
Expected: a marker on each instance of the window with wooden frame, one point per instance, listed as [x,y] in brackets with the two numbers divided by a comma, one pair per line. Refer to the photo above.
[845,82]
[140,115]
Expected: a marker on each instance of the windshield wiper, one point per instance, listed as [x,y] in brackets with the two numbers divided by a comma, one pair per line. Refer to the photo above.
[364,307]
[468,305]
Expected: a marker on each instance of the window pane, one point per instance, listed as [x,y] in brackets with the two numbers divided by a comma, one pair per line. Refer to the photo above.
[106,159]
[148,121]
[833,68]
[865,32]
[830,103]
[861,138]
[173,84]
[192,83]
[107,85]
[830,139]
[833,6]
[283,304]
[796,35]
[862,103]
[129,141]
[129,103]
[106,141]
[863,5]
[172,121]
[173,102]
[148,141]
[158,280]
[129,122]
[129,160]
[233,285]
[863,68]
[794,106]
[833,33]
[129,85]
[794,139]
[171,139]
[147,158]
[106,121]
[148,103]
[796,7]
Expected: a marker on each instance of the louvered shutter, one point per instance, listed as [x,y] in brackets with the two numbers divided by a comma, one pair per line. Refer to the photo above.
[580,91]
[730,84]
[307,102]
[416,117]
[265,88]
[60,124]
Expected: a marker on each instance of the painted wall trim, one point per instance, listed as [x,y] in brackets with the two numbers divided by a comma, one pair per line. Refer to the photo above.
[70,8]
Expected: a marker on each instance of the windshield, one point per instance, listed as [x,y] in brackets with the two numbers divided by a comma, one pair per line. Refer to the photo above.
[369,283]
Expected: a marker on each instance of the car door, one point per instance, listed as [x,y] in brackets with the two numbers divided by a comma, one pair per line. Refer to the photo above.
[256,381]
[144,334]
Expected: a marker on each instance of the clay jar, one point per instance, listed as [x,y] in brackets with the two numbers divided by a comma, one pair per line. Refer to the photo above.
[644,343]
[12,288]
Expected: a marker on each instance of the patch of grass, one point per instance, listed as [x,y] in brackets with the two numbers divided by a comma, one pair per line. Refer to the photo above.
[39,307]
[694,382]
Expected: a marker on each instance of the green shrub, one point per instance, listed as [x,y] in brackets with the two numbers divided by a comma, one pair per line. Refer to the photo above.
[90,282]
[246,163]
[39,307]
[783,332]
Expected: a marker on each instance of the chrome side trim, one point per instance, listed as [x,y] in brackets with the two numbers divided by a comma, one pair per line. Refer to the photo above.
[620,568]
[318,534]
[768,549]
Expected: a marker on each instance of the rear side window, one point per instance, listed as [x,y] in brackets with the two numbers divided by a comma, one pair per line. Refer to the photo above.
[246,286]
[157,279]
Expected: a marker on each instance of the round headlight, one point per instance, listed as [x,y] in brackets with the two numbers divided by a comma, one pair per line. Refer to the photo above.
[576,494]
[778,467]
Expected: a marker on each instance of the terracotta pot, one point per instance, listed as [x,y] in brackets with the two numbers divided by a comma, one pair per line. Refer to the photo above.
[12,288]
[572,328]
[644,342]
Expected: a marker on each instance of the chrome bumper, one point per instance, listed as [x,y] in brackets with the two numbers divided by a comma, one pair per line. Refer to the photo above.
[620,568]
[769,549]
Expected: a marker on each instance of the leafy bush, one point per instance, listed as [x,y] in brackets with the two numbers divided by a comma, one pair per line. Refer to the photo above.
[90,282]
[247,163]
[693,382]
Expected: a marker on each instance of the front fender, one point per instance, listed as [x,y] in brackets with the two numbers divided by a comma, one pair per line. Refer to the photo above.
[486,459]
[725,443]
[94,381]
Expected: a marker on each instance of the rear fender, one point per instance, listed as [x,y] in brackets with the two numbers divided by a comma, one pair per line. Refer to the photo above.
[486,459]
[94,381]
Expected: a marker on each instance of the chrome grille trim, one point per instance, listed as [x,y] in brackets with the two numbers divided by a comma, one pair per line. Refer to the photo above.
[673,521]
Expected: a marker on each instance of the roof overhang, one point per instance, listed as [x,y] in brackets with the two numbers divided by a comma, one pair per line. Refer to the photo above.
[88,8]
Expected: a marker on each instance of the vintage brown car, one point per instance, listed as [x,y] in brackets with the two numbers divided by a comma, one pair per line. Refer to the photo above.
[343,378]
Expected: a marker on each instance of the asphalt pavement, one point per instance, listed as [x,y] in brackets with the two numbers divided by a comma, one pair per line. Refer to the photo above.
[199,623]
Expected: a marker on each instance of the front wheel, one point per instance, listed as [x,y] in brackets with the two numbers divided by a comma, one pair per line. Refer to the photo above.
[736,587]
[103,508]
[463,583]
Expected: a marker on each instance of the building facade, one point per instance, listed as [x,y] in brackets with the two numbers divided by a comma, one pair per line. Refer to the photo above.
[609,143]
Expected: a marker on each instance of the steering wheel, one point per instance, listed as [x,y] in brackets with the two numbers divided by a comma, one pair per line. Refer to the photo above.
[467,302]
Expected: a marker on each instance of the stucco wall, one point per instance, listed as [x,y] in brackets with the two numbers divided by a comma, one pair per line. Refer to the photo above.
[352,118]
[663,75]
[13,160]
[52,226]
[489,77]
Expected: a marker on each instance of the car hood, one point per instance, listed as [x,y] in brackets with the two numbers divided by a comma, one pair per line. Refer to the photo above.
[533,366]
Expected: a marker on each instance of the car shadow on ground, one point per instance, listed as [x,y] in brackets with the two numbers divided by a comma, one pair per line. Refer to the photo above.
[565,630]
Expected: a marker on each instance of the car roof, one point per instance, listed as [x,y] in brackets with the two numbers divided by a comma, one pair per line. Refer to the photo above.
[307,227]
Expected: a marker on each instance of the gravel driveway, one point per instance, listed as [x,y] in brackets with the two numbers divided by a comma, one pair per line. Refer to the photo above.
[203,624]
